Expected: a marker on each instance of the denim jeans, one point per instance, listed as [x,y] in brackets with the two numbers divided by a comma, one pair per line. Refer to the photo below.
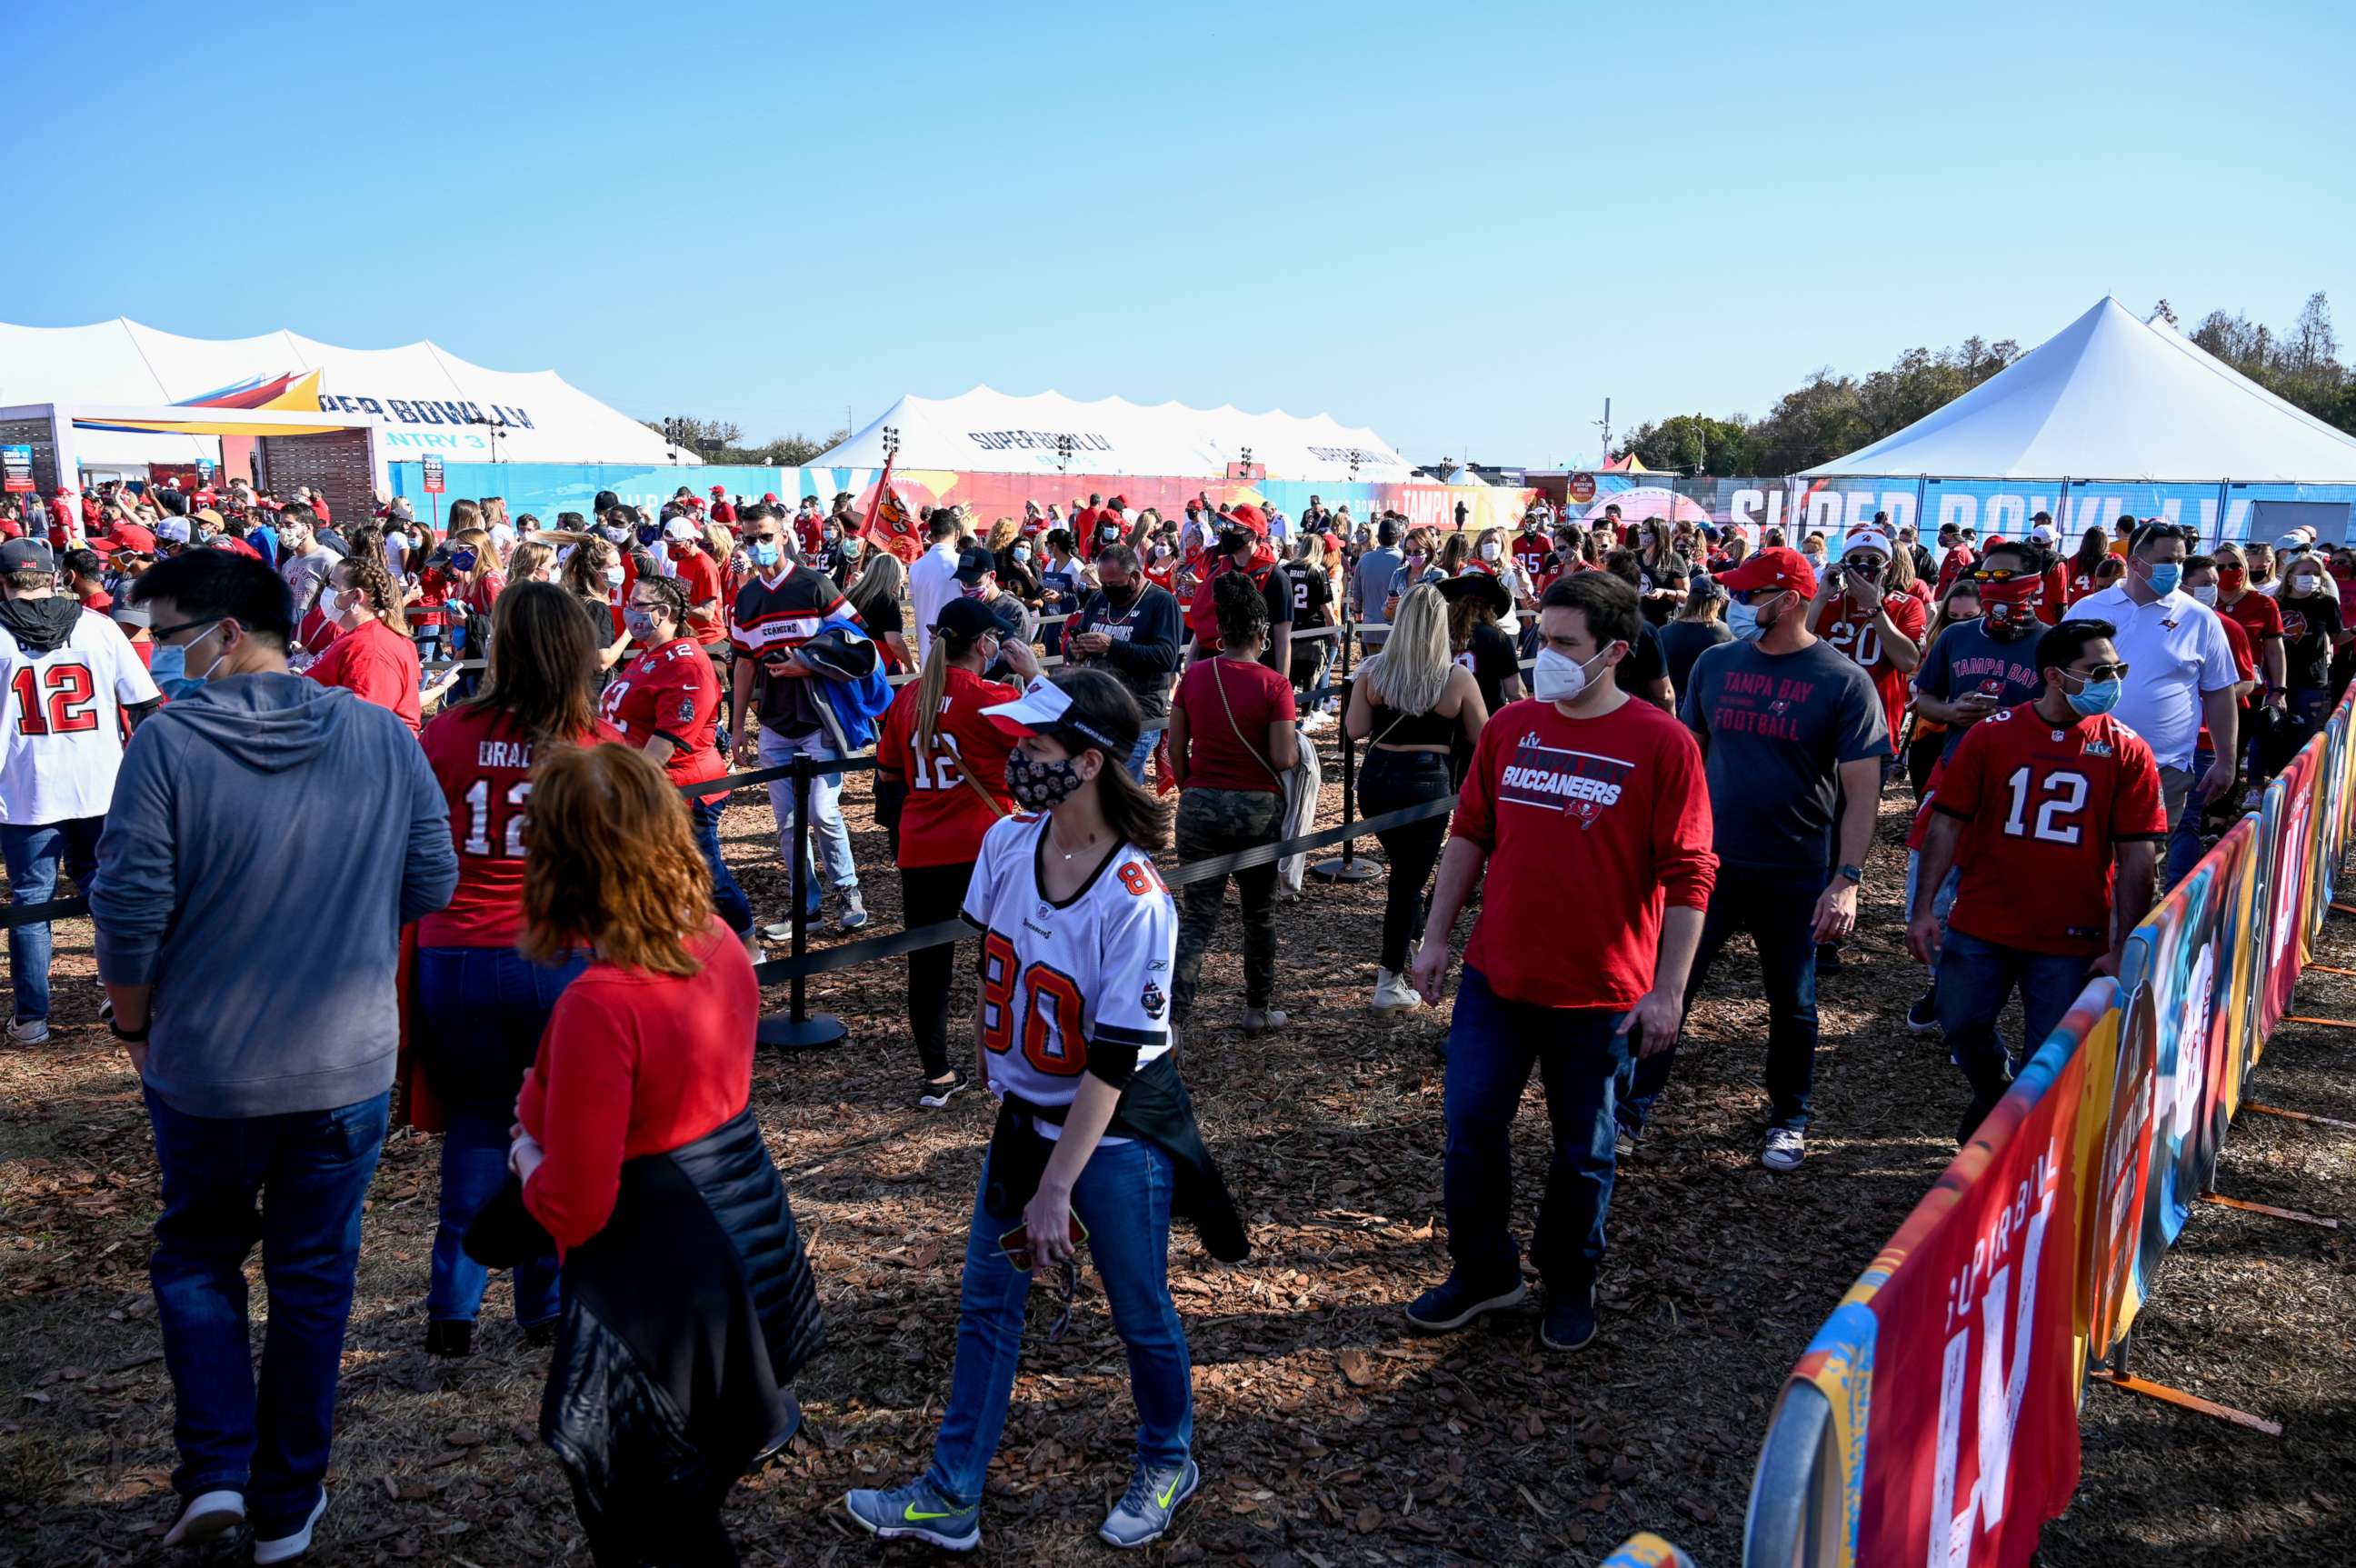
[1580,1056]
[827,835]
[1142,752]
[1212,822]
[484,1010]
[1776,908]
[1941,901]
[2184,849]
[1123,1198]
[1389,781]
[293,1183]
[33,852]
[1976,980]
[728,900]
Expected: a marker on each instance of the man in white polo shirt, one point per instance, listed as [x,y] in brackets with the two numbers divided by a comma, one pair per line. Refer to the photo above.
[932,580]
[2180,671]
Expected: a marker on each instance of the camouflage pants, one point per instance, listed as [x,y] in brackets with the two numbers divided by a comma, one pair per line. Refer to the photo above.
[1213,822]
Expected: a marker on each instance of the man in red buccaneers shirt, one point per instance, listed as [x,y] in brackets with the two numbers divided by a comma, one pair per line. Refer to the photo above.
[1880,631]
[2035,807]
[1532,549]
[1577,788]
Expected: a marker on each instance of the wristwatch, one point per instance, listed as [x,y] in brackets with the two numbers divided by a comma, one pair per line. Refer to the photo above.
[129,1036]
[1854,873]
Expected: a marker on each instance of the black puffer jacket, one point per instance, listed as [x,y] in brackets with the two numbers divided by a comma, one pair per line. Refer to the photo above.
[685,1318]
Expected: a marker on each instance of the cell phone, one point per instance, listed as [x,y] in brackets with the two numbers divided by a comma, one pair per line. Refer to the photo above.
[1017,1242]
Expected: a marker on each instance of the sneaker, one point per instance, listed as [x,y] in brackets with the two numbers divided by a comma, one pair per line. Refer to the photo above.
[916,1512]
[1315,722]
[205,1515]
[1624,1142]
[937,1095]
[450,1337]
[1923,1018]
[1142,1515]
[27,1031]
[1265,1020]
[1453,1303]
[1394,994]
[286,1548]
[778,932]
[850,910]
[1569,1321]
[1785,1149]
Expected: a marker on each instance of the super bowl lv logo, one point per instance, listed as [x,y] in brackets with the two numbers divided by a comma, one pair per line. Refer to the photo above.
[1560,780]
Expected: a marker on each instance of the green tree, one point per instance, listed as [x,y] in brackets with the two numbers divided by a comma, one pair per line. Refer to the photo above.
[720,442]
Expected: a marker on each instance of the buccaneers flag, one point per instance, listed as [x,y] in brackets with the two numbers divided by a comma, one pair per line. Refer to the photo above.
[889,521]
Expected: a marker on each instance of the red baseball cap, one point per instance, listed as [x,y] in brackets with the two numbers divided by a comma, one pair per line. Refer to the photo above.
[720,489]
[1779,567]
[1244,514]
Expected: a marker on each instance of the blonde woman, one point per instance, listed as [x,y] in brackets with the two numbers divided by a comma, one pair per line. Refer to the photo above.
[875,595]
[1408,705]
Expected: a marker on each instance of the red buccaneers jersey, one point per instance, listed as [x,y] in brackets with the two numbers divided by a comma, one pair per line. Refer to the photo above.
[1531,553]
[943,819]
[672,692]
[484,764]
[1852,631]
[2042,808]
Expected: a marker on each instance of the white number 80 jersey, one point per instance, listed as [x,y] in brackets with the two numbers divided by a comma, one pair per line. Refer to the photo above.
[1054,977]
[61,721]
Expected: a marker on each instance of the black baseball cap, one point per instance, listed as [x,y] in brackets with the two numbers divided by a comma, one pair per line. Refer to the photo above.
[27,555]
[966,620]
[974,563]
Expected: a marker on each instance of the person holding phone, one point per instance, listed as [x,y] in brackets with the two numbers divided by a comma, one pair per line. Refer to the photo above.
[1072,1030]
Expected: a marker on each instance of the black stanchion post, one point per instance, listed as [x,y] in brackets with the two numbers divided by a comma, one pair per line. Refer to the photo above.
[799,1029]
[1346,866]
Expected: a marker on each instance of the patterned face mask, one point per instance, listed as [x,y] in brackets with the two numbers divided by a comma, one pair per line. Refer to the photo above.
[1039,785]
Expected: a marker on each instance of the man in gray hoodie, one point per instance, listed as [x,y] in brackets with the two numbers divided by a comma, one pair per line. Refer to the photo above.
[267,839]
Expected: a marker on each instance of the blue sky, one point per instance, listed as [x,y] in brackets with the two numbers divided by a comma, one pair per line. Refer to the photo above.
[1466,226]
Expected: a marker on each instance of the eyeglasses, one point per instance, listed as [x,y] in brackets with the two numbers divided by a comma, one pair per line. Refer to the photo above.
[1994,574]
[1015,1245]
[2103,672]
[159,633]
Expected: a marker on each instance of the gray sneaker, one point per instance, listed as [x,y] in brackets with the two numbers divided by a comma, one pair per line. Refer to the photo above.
[1142,1515]
[1785,1150]
[850,910]
[916,1512]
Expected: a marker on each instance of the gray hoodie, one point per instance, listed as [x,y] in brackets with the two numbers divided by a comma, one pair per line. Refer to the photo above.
[268,839]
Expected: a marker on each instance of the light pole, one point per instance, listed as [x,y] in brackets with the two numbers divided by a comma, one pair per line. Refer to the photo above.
[1063,454]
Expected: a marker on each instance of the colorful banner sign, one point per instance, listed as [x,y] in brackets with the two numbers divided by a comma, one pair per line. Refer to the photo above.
[1646,1550]
[16,470]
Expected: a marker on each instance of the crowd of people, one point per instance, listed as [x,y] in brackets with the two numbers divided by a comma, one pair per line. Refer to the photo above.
[1627,743]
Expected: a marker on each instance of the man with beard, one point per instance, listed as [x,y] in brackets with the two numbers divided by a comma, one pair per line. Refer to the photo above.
[1243,546]
[1132,629]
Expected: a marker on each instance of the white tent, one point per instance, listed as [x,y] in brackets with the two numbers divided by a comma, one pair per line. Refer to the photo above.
[2113,397]
[422,399]
[986,432]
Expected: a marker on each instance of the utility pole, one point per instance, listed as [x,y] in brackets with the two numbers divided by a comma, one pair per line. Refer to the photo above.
[1606,423]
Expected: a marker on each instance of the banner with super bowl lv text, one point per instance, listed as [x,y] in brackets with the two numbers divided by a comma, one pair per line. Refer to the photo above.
[1950,1365]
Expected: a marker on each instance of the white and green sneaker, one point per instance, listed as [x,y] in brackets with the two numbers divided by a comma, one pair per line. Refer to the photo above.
[1143,1513]
[916,1512]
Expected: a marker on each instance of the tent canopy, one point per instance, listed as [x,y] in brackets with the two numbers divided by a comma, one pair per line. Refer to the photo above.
[2113,397]
[988,431]
[422,400]
[1626,463]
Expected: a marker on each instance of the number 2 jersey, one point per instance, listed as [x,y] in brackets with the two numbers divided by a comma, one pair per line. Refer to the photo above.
[1055,977]
[483,762]
[944,819]
[66,675]
[2042,807]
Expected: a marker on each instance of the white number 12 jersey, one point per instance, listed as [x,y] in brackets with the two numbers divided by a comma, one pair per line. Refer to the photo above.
[61,721]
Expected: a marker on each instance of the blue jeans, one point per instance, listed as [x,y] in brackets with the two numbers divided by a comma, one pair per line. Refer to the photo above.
[1777,908]
[484,1010]
[2184,849]
[33,852]
[1581,1058]
[1123,1198]
[1975,979]
[308,1170]
[727,898]
[828,834]
[1142,752]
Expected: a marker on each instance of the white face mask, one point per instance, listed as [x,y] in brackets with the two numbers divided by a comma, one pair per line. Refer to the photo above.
[2206,593]
[2302,584]
[1488,550]
[1560,677]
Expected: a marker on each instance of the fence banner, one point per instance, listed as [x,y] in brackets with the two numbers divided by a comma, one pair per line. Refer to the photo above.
[2290,801]
[1646,1550]
[1950,1365]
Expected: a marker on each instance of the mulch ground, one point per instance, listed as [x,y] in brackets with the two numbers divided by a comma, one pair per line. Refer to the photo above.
[1327,1432]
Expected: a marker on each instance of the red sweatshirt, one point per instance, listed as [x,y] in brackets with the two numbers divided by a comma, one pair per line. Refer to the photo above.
[634,1064]
[1592,827]
[378,665]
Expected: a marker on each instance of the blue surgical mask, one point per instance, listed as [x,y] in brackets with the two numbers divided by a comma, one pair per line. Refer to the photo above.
[463,560]
[1743,622]
[169,662]
[614,576]
[763,552]
[2097,697]
[2166,576]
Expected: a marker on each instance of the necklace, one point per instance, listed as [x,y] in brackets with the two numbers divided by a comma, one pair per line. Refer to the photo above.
[1085,843]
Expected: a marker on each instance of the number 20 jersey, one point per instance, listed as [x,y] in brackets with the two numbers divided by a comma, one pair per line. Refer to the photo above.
[1054,977]
[2043,807]
[61,721]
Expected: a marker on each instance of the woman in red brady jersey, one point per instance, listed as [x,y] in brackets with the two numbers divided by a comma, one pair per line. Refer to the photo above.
[951,762]
[481,1005]
[666,702]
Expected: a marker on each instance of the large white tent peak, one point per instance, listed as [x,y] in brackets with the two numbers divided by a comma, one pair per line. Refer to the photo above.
[421,398]
[2112,396]
[989,431]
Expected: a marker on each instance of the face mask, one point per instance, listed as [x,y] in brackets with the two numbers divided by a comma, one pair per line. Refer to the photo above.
[2093,698]
[2165,576]
[1039,785]
[641,625]
[2231,578]
[613,575]
[1560,677]
[1489,550]
[1022,553]
[1121,594]
[2300,586]
[169,662]
[680,551]
[851,547]
[763,552]
[1741,620]
[2261,574]
[464,559]
[832,537]
[2206,594]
